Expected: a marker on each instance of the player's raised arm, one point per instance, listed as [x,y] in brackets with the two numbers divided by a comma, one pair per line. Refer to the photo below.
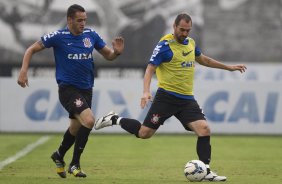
[36,47]
[112,53]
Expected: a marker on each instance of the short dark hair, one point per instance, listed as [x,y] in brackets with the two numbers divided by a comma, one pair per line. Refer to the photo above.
[181,16]
[73,9]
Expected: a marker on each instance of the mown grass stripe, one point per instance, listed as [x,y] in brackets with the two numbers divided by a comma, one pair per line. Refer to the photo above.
[23,152]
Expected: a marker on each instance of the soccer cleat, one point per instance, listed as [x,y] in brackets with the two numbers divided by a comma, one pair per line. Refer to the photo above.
[214,177]
[76,171]
[60,164]
[105,121]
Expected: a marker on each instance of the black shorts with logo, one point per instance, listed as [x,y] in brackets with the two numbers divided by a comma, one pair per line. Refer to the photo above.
[166,105]
[75,100]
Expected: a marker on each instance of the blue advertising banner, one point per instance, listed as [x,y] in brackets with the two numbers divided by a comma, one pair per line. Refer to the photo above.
[242,107]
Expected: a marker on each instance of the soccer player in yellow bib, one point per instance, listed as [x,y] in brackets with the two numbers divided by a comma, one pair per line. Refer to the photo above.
[173,61]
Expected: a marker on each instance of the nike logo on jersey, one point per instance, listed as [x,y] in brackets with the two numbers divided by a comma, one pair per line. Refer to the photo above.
[69,43]
[186,53]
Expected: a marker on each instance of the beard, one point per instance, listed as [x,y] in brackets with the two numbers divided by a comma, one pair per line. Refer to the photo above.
[180,39]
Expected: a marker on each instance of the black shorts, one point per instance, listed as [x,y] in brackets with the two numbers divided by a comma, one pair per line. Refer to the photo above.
[75,100]
[166,105]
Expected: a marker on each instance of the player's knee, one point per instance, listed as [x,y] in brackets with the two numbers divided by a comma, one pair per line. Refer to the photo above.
[205,130]
[89,122]
[201,129]
[74,130]
[145,132]
[144,135]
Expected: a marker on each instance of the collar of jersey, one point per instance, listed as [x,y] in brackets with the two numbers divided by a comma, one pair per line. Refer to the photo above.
[185,42]
[67,28]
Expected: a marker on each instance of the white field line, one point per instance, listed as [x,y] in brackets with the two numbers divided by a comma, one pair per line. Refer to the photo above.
[23,152]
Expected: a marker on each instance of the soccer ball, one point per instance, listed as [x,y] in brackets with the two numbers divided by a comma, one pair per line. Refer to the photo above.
[195,170]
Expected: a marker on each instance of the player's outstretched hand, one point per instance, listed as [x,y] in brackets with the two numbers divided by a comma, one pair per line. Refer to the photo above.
[118,45]
[240,67]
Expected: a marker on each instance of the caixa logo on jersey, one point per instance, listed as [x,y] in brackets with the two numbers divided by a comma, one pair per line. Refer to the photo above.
[80,56]
[187,64]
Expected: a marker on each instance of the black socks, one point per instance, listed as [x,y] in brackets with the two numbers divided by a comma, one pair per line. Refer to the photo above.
[204,149]
[114,119]
[80,142]
[67,142]
[130,125]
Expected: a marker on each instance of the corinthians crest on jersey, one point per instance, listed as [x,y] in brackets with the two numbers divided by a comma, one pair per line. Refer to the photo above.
[78,102]
[155,118]
[87,42]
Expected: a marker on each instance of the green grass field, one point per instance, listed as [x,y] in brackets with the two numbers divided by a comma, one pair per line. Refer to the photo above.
[123,159]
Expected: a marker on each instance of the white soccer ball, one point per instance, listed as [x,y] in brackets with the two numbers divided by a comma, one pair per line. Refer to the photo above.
[195,170]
